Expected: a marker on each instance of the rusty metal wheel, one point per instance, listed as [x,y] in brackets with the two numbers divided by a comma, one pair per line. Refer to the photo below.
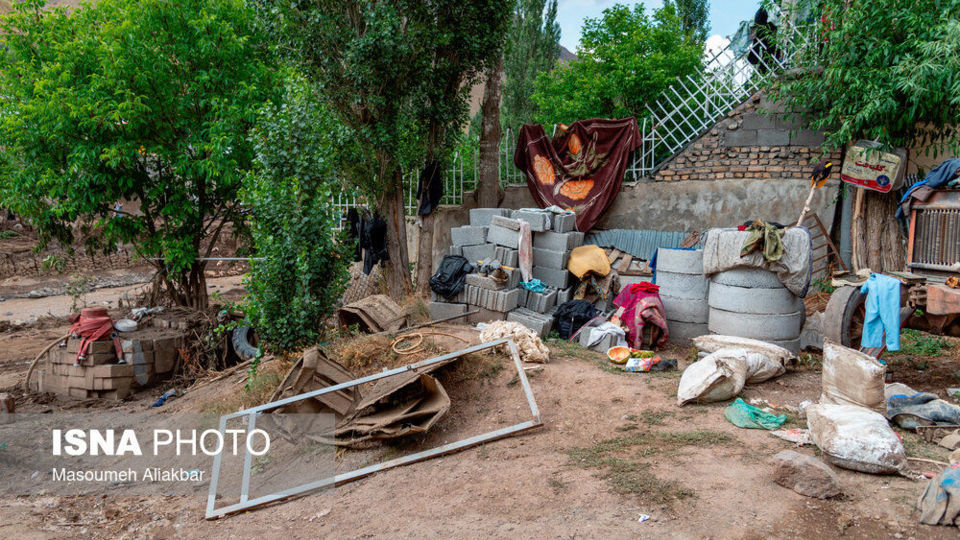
[843,319]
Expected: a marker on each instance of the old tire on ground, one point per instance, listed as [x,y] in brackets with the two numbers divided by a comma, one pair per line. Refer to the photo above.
[843,318]
[241,343]
[750,278]
[762,326]
[756,300]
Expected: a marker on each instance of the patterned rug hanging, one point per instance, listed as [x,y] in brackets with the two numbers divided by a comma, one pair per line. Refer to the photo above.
[581,169]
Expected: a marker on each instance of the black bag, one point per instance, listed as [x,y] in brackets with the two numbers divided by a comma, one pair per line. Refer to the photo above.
[450,276]
[572,315]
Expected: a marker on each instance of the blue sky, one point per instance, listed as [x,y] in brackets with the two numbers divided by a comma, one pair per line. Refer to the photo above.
[725,15]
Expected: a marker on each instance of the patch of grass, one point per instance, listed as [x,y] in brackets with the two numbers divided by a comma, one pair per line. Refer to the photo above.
[811,361]
[917,343]
[257,391]
[915,446]
[622,460]
[628,427]
[8,234]
[655,418]
[260,464]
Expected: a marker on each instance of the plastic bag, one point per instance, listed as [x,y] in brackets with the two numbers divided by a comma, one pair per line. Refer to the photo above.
[717,377]
[742,414]
[855,438]
[852,378]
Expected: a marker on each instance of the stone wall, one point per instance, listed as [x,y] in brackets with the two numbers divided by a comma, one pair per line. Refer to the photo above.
[748,144]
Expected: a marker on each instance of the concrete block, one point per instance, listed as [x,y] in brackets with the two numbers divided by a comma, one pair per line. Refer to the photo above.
[604,344]
[504,237]
[506,223]
[513,281]
[772,137]
[564,295]
[757,121]
[482,216]
[485,315]
[549,258]
[502,301]
[456,250]
[805,137]
[482,252]
[468,235]
[539,221]
[459,298]
[541,302]
[522,298]
[539,323]
[564,223]
[484,282]
[441,310]
[507,257]
[740,137]
[551,277]
[557,241]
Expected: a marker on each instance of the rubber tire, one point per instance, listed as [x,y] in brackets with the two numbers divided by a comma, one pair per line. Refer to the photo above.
[839,314]
[749,278]
[241,343]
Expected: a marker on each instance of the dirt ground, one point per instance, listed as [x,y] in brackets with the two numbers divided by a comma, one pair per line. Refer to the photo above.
[613,446]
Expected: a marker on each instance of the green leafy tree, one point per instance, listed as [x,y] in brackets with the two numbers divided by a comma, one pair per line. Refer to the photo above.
[394,73]
[145,102]
[625,59]
[532,48]
[885,71]
[694,17]
[303,261]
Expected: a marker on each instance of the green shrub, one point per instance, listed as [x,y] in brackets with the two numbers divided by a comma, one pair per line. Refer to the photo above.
[304,262]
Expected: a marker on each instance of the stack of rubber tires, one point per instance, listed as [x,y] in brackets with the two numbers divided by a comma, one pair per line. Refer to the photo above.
[683,291]
[753,303]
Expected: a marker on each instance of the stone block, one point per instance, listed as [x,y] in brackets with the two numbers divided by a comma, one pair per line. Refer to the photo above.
[502,301]
[482,252]
[456,250]
[506,223]
[507,257]
[806,137]
[564,295]
[539,221]
[805,474]
[773,137]
[115,370]
[608,341]
[484,282]
[549,258]
[468,235]
[564,223]
[557,241]
[539,323]
[483,216]
[551,277]
[504,237]
[442,310]
[522,298]
[740,137]
[757,121]
[541,302]
[485,315]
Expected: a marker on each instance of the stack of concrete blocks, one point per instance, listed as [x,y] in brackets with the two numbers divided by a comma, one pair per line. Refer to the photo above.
[494,234]
[148,356]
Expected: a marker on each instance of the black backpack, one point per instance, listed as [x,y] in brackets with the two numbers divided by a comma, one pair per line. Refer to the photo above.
[570,316]
[449,278]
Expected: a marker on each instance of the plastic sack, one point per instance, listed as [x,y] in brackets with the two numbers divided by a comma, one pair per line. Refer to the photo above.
[940,502]
[742,414]
[717,377]
[855,438]
[711,343]
[852,378]
[761,368]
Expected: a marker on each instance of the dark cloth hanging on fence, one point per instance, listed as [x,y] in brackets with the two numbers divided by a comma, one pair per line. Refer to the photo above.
[581,169]
[373,242]
[430,188]
[353,231]
[764,48]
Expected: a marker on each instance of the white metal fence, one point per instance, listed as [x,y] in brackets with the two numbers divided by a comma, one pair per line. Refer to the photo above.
[682,113]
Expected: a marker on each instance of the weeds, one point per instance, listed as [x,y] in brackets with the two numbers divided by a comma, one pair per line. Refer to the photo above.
[77,289]
[556,484]
[655,418]
[823,285]
[917,343]
[8,234]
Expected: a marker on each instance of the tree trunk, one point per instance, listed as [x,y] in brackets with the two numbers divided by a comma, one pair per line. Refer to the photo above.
[876,240]
[397,271]
[424,268]
[488,184]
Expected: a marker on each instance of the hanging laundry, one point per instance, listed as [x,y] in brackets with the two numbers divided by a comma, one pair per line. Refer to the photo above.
[581,169]
[373,241]
[883,312]
[430,188]
[353,231]
[765,237]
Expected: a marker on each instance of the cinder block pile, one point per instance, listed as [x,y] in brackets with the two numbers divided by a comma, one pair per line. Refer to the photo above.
[493,235]
[148,355]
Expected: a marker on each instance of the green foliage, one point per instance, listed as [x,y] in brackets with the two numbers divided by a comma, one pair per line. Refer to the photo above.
[823,285]
[8,234]
[917,343]
[305,262]
[626,58]
[532,48]
[883,70]
[147,101]
[694,16]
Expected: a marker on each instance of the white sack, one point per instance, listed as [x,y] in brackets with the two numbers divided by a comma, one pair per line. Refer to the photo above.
[855,438]
[712,343]
[717,377]
[852,378]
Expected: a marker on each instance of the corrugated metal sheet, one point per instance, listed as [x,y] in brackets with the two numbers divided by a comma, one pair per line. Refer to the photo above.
[640,243]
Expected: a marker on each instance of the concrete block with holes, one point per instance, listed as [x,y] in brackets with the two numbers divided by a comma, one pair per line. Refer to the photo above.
[539,221]
[538,322]
[549,258]
[503,236]
[468,235]
[551,277]
[483,216]
[443,310]
[481,252]
[542,302]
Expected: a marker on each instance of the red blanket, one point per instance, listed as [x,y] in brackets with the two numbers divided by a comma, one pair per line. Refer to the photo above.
[581,169]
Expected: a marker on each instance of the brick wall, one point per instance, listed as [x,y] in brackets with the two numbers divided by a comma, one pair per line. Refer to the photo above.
[747,144]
